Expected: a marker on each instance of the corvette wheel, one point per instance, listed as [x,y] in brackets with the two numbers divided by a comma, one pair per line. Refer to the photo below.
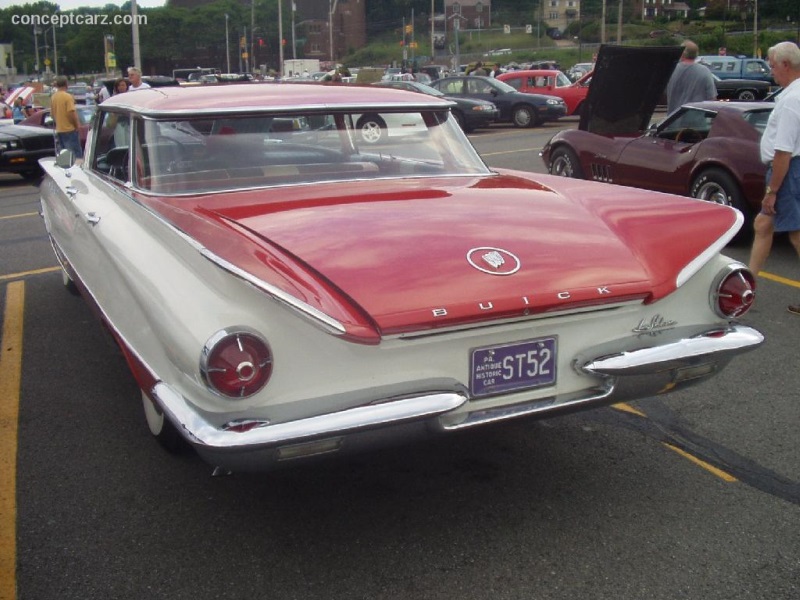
[715,185]
[161,427]
[523,116]
[564,162]
[372,128]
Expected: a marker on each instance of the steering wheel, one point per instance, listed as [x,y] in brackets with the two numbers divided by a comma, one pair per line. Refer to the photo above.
[688,135]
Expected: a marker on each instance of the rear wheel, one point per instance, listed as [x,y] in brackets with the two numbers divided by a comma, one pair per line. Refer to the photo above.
[523,116]
[161,427]
[719,187]
[68,283]
[564,162]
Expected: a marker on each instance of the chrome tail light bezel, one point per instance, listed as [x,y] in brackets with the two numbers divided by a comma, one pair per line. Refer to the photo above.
[239,355]
[733,291]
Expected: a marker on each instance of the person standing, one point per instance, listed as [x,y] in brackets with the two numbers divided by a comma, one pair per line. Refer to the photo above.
[496,71]
[18,111]
[690,81]
[135,77]
[780,150]
[65,116]
[121,86]
[479,71]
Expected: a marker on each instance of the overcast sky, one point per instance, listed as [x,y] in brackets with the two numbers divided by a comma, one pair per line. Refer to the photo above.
[73,4]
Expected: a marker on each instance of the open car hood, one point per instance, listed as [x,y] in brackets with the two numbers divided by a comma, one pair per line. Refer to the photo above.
[626,86]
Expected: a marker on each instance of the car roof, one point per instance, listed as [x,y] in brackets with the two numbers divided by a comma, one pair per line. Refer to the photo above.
[272,97]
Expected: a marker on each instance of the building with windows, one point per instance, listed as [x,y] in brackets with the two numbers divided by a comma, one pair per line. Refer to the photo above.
[330,29]
[467,14]
[560,13]
[652,9]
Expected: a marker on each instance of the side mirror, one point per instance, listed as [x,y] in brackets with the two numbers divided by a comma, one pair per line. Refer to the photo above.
[65,159]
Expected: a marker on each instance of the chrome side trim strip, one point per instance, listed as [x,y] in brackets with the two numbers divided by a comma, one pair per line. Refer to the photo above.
[316,316]
[693,267]
[202,433]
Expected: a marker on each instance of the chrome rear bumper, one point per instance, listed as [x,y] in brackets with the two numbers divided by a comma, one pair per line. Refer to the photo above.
[619,377]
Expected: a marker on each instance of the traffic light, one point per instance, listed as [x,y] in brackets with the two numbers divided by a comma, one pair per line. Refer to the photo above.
[261,42]
[409,29]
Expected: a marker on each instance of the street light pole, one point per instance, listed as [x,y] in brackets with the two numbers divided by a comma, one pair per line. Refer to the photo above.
[332,11]
[280,36]
[227,45]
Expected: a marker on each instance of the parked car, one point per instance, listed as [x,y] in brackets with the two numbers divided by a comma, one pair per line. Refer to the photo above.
[82,92]
[552,83]
[706,150]
[43,118]
[470,114]
[519,108]
[736,67]
[22,145]
[282,292]
[578,70]
[741,89]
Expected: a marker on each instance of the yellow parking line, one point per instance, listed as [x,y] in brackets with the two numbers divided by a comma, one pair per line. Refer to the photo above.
[779,279]
[33,214]
[708,467]
[10,377]
[23,274]
[625,407]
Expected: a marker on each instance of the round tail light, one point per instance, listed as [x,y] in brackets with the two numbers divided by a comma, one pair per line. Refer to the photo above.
[236,363]
[734,292]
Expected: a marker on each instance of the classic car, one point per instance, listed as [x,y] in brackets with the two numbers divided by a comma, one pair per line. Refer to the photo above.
[44,119]
[281,291]
[519,108]
[22,145]
[741,89]
[706,150]
[552,83]
[470,114]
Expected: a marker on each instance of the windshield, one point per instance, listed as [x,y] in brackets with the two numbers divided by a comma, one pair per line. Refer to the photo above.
[502,86]
[189,156]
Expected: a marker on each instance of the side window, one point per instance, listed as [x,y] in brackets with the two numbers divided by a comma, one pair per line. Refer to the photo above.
[111,146]
[516,83]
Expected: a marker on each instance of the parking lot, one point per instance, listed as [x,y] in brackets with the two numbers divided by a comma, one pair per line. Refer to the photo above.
[696,495]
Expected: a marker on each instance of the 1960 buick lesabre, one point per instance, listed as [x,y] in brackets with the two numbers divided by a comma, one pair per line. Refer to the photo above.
[280,291]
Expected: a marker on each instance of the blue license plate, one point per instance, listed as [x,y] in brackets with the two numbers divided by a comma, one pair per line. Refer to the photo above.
[513,367]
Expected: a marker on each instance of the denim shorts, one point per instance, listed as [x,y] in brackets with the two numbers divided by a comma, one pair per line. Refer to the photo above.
[787,202]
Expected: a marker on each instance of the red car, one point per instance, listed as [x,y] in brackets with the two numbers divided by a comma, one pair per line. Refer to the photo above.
[551,83]
[282,290]
[706,150]
[43,118]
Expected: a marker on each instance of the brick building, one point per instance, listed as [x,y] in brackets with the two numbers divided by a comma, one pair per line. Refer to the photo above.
[329,29]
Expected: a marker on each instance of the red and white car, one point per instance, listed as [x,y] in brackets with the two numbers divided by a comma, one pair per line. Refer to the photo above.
[282,291]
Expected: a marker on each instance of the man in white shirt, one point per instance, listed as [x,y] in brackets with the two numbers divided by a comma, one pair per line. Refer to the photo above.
[135,77]
[780,151]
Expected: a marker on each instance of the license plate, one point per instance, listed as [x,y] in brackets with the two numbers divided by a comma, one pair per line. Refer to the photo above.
[512,367]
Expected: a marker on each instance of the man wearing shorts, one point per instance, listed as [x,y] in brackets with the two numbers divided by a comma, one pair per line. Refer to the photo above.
[780,151]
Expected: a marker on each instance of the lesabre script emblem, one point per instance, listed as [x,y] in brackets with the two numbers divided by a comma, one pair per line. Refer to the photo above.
[494,261]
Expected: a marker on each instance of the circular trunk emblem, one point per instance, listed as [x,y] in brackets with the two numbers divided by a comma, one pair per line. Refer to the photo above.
[494,261]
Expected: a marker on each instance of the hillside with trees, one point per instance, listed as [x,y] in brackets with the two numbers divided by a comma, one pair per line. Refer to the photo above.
[179,37]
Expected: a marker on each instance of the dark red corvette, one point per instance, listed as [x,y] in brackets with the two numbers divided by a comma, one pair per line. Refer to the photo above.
[706,150]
